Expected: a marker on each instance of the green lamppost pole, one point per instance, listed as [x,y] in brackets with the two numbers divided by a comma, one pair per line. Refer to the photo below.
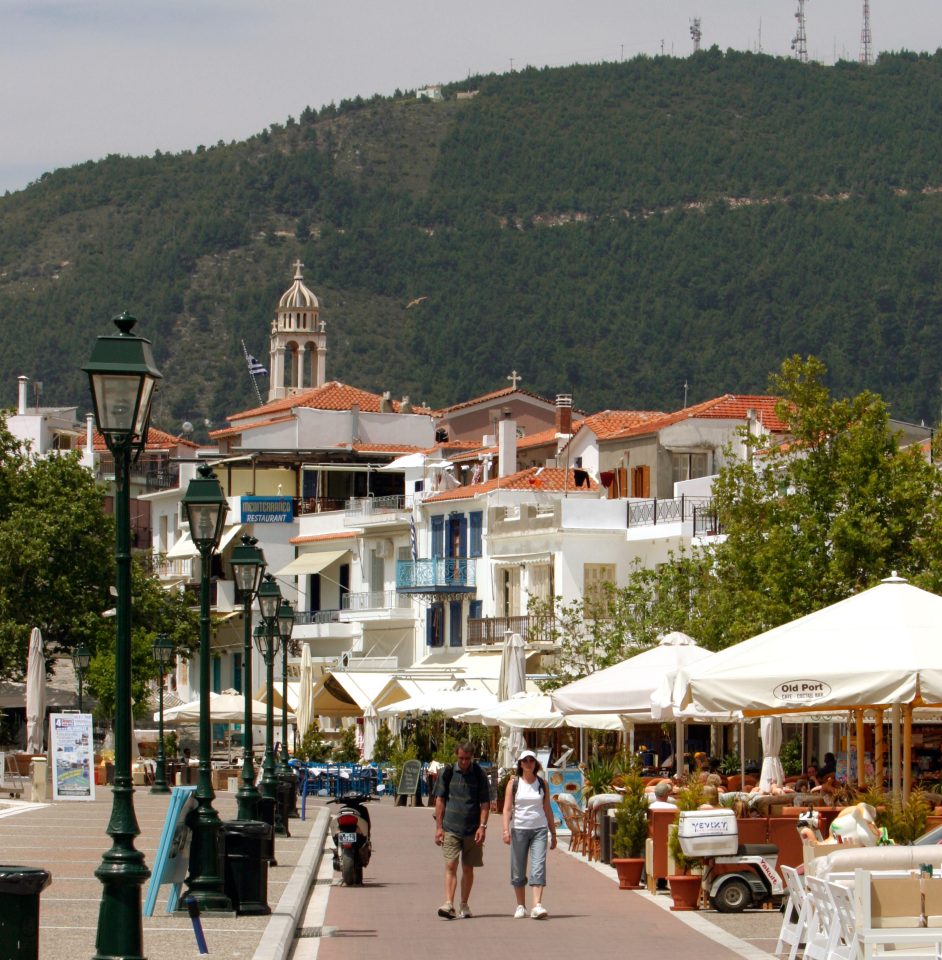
[248,565]
[285,628]
[122,375]
[81,658]
[162,649]
[268,641]
[206,507]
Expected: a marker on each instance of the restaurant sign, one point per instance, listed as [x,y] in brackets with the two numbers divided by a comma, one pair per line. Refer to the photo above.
[267,509]
[801,691]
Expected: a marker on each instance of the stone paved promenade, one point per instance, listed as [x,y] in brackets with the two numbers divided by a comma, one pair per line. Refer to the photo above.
[393,915]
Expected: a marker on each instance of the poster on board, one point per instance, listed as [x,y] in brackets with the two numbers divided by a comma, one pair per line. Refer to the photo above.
[567,780]
[72,754]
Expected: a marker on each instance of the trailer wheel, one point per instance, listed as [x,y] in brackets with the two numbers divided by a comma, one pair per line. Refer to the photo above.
[733,897]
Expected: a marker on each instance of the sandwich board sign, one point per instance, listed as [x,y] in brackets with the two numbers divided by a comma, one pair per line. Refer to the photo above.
[173,851]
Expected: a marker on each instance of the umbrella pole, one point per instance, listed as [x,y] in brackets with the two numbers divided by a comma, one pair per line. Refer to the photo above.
[861,751]
[878,748]
[895,734]
[907,750]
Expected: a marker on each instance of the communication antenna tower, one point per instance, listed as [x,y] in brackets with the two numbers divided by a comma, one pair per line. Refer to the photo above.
[696,34]
[800,43]
[866,40]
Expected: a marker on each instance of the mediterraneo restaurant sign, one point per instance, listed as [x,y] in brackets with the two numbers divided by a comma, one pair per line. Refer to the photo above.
[267,510]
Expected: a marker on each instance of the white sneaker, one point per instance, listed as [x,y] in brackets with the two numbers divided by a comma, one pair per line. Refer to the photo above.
[539,912]
[464,912]
[520,912]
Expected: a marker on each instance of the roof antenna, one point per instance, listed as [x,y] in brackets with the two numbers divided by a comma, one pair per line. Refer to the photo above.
[685,396]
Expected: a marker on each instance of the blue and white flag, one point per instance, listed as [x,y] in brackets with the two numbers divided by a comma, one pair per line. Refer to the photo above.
[255,368]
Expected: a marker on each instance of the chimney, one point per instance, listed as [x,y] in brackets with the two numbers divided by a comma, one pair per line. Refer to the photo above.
[507,445]
[354,423]
[23,393]
[564,414]
[405,406]
[385,404]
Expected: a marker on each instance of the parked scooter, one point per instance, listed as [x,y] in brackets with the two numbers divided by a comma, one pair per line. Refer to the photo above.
[350,828]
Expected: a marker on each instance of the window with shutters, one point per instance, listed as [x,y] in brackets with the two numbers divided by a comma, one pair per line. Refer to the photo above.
[641,481]
[435,625]
[595,580]
[475,527]
[438,537]
[689,466]
[454,624]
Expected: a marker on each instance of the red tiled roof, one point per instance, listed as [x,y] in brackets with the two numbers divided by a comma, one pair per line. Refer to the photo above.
[727,407]
[156,440]
[400,448]
[540,439]
[329,396]
[235,431]
[550,479]
[495,395]
[607,423]
[319,537]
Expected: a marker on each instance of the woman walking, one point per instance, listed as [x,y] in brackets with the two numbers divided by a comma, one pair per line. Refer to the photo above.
[528,824]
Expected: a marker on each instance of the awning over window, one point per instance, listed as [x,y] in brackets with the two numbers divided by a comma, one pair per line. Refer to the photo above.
[185,548]
[311,563]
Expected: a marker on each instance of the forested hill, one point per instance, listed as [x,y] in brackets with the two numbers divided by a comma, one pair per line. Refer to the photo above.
[612,231]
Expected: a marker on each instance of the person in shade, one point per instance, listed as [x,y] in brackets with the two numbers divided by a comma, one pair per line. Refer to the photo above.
[462,806]
[529,828]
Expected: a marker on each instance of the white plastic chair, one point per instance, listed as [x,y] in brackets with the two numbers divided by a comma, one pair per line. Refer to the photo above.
[824,927]
[797,911]
[842,903]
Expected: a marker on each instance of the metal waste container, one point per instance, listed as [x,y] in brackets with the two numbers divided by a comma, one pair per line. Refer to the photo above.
[246,873]
[20,888]
[265,811]
[284,792]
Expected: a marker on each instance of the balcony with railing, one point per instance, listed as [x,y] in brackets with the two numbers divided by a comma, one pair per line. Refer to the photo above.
[491,631]
[322,625]
[371,511]
[698,512]
[385,605]
[440,575]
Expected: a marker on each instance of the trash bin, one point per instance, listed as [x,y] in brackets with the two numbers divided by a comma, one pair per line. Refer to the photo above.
[39,768]
[284,791]
[265,811]
[246,873]
[20,888]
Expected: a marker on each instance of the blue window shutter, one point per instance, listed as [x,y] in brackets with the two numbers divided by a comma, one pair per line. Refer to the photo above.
[463,537]
[435,625]
[438,537]
[454,627]
[475,610]
[477,524]
[217,675]
[429,627]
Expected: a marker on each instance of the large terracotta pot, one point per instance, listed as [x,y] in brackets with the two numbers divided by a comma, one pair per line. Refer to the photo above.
[629,871]
[685,889]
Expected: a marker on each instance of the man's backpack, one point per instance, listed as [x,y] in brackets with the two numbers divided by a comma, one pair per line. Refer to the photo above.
[449,772]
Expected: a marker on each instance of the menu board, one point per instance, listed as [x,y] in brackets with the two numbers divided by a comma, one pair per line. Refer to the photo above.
[72,755]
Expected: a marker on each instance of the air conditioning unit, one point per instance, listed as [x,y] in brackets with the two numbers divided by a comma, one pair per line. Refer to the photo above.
[384,549]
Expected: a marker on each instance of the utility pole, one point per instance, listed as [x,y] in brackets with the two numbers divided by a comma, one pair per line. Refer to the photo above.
[800,43]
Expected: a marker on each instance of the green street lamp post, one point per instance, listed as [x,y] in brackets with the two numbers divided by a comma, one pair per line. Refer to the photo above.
[162,649]
[81,658]
[267,642]
[248,565]
[285,628]
[206,507]
[122,376]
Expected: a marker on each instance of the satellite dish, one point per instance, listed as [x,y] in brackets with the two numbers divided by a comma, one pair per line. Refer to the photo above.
[186,427]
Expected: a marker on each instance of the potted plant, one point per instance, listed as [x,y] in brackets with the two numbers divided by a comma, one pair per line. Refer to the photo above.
[685,884]
[631,829]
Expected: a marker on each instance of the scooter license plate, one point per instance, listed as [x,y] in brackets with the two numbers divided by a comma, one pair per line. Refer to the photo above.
[346,838]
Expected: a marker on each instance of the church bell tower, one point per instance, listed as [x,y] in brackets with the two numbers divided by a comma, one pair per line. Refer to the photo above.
[298,341]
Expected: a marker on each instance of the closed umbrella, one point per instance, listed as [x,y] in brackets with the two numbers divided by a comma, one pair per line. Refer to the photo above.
[35,693]
[370,729]
[770,731]
[513,680]
[305,711]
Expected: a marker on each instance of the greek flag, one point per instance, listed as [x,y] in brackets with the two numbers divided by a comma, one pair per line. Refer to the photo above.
[415,549]
[255,368]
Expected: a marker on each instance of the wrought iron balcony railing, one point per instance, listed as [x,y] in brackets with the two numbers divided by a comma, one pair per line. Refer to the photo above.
[438,575]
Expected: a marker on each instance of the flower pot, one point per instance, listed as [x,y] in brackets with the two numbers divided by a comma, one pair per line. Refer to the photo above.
[629,871]
[685,889]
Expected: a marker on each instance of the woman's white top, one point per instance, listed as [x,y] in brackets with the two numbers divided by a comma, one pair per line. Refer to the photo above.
[528,806]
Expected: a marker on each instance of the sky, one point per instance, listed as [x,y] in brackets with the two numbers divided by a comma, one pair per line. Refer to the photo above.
[81,79]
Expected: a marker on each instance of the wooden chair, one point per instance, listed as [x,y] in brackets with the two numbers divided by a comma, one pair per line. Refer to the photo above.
[797,911]
[574,817]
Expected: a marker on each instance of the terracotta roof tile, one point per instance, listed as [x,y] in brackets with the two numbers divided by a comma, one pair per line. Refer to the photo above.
[547,479]
[329,396]
[727,407]
[607,423]
[156,440]
[235,431]
[495,395]
[400,448]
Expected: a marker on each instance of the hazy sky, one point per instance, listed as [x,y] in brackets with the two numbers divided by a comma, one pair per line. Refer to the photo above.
[80,79]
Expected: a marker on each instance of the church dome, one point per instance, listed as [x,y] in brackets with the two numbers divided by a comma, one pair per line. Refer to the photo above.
[298,296]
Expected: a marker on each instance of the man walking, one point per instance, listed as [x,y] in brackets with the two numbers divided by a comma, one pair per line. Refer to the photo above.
[462,806]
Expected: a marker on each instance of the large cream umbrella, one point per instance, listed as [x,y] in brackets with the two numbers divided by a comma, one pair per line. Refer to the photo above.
[305,711]
[35,693]
[370,730]
[513,680]
[223,708]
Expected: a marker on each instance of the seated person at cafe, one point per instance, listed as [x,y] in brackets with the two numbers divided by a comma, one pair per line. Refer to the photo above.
[711,798]
[662,793]
[828,768]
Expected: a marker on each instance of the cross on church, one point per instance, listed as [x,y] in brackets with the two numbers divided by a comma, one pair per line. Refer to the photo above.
[297,269]
[514,379]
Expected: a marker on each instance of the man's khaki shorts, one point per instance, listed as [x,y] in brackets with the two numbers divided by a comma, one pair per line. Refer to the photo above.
[472,854]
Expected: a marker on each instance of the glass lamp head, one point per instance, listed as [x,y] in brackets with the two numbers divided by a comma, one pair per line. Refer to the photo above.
[206,507]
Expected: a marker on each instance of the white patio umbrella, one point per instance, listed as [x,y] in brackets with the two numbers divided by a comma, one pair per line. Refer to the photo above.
[35,693]
[530,711]
[770,731]
[305,711]
[512,680]
[223,708]
[450,702]
[370,729]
